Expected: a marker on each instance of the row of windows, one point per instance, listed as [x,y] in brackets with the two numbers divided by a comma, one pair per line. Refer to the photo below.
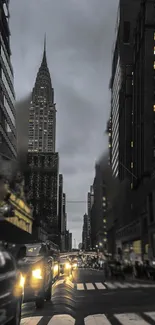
[8,109]
[7,87]
[5,61]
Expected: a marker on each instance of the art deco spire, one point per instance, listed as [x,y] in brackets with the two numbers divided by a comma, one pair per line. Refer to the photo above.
[44,59]
[43,75]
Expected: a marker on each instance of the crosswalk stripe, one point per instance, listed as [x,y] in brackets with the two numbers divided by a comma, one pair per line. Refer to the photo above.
[133,285]
[110,285]
[121,285]
[80,286]
[151,315]
[71,284]
[90,286]
[60,282]
[147,285]
[62,320]
[100,285]
[130,319]
[96,320]
[31,320]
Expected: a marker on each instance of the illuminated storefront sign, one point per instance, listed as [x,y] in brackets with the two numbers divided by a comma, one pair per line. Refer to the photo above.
[22,214]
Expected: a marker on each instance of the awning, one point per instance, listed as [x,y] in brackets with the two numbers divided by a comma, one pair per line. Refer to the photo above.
[10,233]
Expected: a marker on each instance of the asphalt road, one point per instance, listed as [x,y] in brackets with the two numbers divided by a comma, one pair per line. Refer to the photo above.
[87,298]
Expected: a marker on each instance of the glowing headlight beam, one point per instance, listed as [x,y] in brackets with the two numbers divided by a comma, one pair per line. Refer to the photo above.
[37,274]
[67,266]
[22,281]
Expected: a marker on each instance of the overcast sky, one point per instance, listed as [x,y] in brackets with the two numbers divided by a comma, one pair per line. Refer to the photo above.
[80,35]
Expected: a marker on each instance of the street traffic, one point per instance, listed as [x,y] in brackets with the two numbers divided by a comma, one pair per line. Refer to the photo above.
[47,287]
[89,299]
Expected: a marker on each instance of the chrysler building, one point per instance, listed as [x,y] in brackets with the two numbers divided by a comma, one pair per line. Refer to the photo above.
[42,112]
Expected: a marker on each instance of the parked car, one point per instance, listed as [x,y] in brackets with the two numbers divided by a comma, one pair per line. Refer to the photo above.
[35,264]
[11,289]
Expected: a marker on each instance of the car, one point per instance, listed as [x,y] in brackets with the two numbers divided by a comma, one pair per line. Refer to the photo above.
[74,264]
[65,266]
[11,289]
[35,264]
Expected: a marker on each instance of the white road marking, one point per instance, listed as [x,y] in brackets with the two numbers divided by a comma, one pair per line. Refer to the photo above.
[71,284]
[110,285]
[59,282]
[130,319]
[62,320]
[90,286]
[151,315]
[80,286]
[121,285]
[99,285]
[133,285]
[97,320]
[30,320]
[148,285]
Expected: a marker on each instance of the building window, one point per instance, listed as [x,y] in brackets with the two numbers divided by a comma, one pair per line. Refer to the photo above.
[131,164]
[104,220]
[126,32]
[154,65]
[131,185]
[154,50]
[154,108]
[131,144]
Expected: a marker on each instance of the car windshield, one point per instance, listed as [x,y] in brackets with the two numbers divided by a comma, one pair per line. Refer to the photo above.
[33,250]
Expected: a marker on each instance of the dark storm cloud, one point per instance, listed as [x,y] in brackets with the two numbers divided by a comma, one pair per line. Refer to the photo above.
[80,34]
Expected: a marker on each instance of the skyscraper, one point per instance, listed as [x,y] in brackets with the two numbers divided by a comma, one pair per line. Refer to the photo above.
[86,233]
[42,115]
[62,213]
[7,95]
[43,162]
[90,200]
[121,89]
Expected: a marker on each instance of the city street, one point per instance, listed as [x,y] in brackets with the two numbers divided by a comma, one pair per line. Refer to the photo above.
[87,294]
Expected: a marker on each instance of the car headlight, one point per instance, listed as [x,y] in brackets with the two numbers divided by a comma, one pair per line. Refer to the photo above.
[22,281]
[56,268]
[37,274]
[67,266]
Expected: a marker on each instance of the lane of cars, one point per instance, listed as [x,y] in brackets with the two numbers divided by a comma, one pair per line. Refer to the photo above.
[27,274]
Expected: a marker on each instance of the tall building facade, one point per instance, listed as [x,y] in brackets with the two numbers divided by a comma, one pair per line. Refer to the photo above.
[90,200]
[121,89]
[99,211]
[62,214]
[143,135]
[86,233]
[43,162]
[42,114]
[68,241]
[8,148]
[120,126]
[135,140]
[64,221]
